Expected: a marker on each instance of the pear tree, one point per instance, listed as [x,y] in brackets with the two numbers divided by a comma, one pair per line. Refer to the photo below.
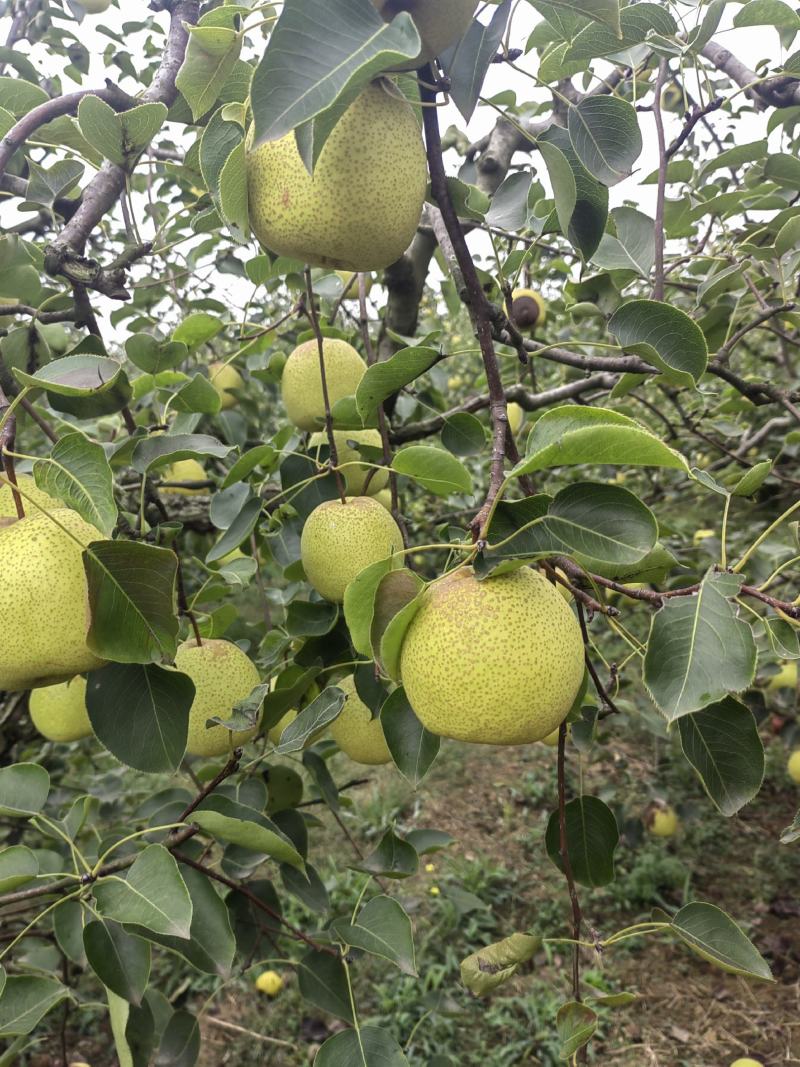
[382,380]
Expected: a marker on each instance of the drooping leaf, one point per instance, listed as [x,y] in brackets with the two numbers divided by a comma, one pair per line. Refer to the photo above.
[226,820]
[576,1024]
[370,1047]
[712,934]
[77,472]
[119,959]
[323,982]
[592,837]
[605,134]
[382,928]
[483,971]
[722,744]
[150,894]
[664,336]
[467,61]
[392,858]
[389,376]
[413,748]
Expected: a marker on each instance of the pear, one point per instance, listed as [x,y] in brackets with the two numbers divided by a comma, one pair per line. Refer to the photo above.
[516,417]
[351,289]
[44,600]
[793,766]
[301,384]
[663,821]
[225,377]
[185,470]
[361,207]
[440,23]
[95,7]
[285,788]
[498,661]
[274,732]
[59,711]
[355,731]
[222,675]
[340,540]
[269,982]
[384,498]
[34,496]
[786,678]
[528,309]
[702,535]
[354,476]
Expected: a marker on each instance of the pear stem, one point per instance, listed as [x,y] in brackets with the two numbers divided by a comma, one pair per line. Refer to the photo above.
[311,311]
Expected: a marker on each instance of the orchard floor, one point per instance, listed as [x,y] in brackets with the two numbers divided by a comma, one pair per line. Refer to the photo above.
[496,878]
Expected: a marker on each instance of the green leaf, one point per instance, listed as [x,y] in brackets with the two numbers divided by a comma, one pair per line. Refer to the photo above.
[605,134]
[180,1042]
[436,470]
[483,971]
[210,57]
[581,200]
[699,650]
[238,531]
[634,247]
[389,376]
[606,11]
[722,744]
[258,456]
[233,193]
[712,934]
[359,604]
[226,820]
[120,960]
[574,436]
[68,930]
[663,335]
[25,1001]
[140,712]
[323,982]
[19,97]
[767,13]
[152,894]
[99,125]
[397,601]
[467,61]
[576,1024]
[23,789]
[139,125]
[197,395]
[47,184]
[636,23]
[198,328]
[382,928]
[392,858]
[155,452]
[463,434]
[311,720]
[77,472]
[370,1047]
[132,601]
[791,833]
[18,865]
[83,385]
[592,838]
[413,748]
[218,142]
[752,480]
[301,74]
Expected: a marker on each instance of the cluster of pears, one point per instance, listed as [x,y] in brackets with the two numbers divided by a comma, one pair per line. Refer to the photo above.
[360,208]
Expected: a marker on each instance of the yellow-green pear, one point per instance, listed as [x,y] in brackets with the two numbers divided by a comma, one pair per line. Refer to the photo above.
[225,377]
[274,732]
[498,661]
[44,600]
[340,540]
[786,678]
[59,711]
[355,473]
[33,496]
[440,23]
[222,675]
[95,7]
[361,207]
[793,766]
[384,498]
[185,470]
[528,309]
[662,821]
[269,982]
[746,1061]
[285,788]
[516,417]
[301,384]
[552,738]
[355,731]
[351,289]
[702,535]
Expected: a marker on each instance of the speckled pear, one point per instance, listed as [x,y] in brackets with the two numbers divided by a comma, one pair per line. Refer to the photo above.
[224,377]
[32,497]
[354,473]
[498,661]
[185,470]
[59,711]
[222,675]
[440,23]
[355,731]
[340,540]
[44,600]
[301,384]
[360,208]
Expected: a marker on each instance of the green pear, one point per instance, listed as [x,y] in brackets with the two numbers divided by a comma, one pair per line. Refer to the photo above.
[44,601]
[355,473]
[185,470]
[356,732]
[285,788]
[351,286]
[225,377]
[33,496]
[222,675]
[301,384]
[516,417]
[59,711]
[340,540]
[361,207]
[498,661]
[440,23]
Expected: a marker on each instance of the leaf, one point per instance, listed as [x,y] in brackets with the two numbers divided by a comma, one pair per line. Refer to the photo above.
[463,434]
[397,601]
[767,13]
[140,124]
[18,865]
[581,200]
[120,960]
[301,74]
[258,456]
[323,982]
[509,207]
[752,480]
[211,55]
[413,748]
[180,1042]
[634,247]
[140,712]
[99,124]
[227,820]
[155,452]
[233,193]
[466,63]
[311,720]
[436,470]
[576,1024]
[198,328]
[606,11]
[359,604]
[712,934]
[23,789]
[573,436]
[722,744]
[218,141]
[605,134]
[152,894]
[389,376]
[197,395]
[83,385]
[791,833]
[636,23]
[383,929]
[19,97]
[47,184]
[25,1001]
[238,531]
[592,838]
[392,858]
[663,335]
[483,971]
[77,472]
[699,651]
[131,601]
[370,1047]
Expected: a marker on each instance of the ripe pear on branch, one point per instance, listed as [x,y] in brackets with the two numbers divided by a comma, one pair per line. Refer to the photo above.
[356,732]
[32,500]
[355,474]
[59,711]
[222,675]
[224,377]
[301,384]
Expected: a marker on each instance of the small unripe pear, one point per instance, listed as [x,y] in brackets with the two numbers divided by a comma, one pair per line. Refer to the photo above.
[224,377]
[354,475]
[793,766]
[516,417]
[498,661]
[361,207]
[440,23]
[185,470]
[301,384]
[786,678]
[702,535]
[355,731]
[662,822]
[33,497]
[269,982]
[59,711]
[340,540]
[351,289]
[44,600]
[528,309]
[285,789]
[222,675]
